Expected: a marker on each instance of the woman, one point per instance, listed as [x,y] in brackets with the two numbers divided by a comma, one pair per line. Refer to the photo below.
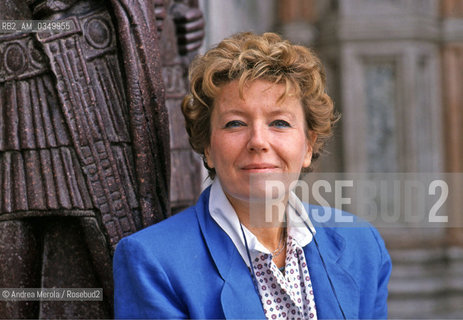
[257,112]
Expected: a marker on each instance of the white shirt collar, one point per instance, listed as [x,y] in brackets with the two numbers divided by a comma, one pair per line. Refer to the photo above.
[223,213]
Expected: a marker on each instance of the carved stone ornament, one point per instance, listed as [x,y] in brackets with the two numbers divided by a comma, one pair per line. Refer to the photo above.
[84,141]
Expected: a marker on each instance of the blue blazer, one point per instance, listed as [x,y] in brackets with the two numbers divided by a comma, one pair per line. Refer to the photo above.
[187,267]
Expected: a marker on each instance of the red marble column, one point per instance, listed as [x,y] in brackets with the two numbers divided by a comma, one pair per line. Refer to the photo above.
[452,78]
[296,10]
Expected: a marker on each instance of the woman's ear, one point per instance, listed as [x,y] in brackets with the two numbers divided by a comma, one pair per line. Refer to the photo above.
[207,155]
[307,158]
[310,143]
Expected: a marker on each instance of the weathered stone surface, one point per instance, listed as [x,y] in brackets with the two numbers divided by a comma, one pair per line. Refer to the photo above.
[182,35]
[84,140]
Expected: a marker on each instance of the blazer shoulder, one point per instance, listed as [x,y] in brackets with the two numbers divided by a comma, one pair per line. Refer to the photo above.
[354,234]
[174,233]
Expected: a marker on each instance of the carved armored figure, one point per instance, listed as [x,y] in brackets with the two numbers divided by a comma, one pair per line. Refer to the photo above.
[181,36]
[84,146]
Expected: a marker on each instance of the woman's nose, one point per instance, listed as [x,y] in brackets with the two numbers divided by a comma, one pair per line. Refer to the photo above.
[258,138]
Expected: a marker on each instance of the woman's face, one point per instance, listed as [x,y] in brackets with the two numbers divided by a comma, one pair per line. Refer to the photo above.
[257,136]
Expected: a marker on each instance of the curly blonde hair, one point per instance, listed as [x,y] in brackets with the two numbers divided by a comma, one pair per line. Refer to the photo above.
[247,57]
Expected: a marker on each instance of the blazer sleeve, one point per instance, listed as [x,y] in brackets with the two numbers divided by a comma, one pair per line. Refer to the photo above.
[380,310]
[142,288]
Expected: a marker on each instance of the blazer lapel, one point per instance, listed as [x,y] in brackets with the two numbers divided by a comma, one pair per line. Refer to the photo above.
[346,292]
[239,297]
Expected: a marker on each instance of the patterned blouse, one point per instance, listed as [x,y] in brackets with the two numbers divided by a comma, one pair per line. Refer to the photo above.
[287,294]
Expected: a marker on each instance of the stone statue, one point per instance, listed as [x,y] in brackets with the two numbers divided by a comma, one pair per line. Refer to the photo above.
[84,143]
[182,35]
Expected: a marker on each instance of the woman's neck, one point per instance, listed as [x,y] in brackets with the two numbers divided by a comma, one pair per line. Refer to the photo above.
[266,223]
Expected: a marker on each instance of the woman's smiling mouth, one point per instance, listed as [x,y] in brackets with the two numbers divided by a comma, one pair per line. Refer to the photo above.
[259,167]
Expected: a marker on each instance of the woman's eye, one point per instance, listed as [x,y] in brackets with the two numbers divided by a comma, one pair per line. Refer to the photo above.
[280,124]
[234,124]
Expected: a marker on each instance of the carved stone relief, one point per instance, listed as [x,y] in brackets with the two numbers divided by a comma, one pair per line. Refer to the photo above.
[183,31]
[84,141]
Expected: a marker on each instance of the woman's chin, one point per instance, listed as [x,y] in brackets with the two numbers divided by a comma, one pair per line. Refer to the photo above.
[261,190]
[270,185]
